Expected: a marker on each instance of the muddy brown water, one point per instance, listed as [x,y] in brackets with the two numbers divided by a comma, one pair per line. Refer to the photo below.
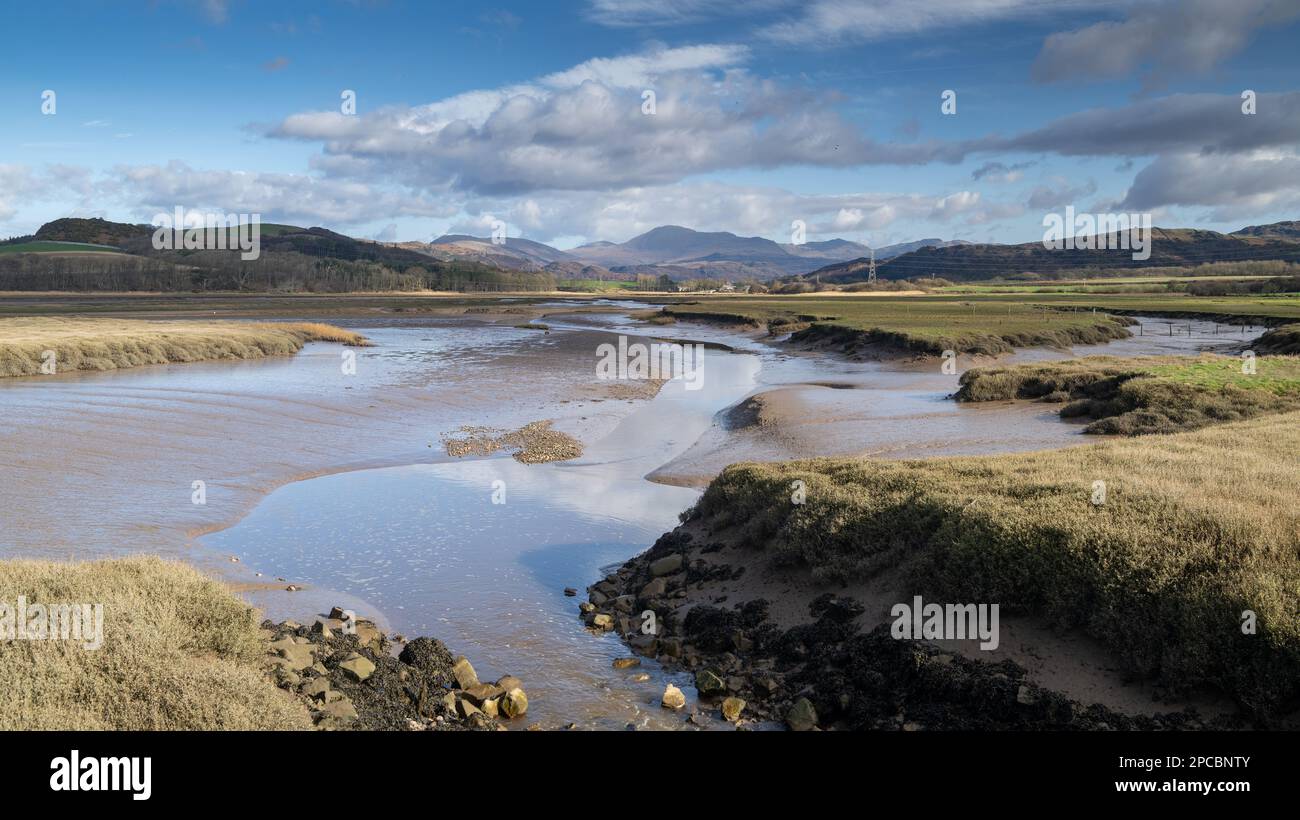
[337,482]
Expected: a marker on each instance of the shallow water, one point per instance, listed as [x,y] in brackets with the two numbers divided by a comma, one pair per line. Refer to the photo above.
[428,546]
[102,464]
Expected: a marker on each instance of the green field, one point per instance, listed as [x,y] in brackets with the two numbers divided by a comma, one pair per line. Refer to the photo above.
[977,323]
[57,247]
[595,285]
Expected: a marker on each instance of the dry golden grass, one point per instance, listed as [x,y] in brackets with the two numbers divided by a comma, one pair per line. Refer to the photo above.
[110,344]
[1195,529]
[179,652]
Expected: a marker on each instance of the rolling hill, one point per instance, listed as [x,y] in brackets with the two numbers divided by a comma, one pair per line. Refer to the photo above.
[1170,247]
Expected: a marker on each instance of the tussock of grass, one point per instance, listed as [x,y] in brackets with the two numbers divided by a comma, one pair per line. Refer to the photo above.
[1195,529]
[111,344]
[1145,395]
[180,652]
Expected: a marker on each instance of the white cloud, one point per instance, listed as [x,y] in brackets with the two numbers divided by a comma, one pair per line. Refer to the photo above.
[584,129]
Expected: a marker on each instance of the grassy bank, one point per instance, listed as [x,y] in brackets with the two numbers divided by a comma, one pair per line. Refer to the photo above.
[1193,530]
[110,344]
[179,652]
[1280,341]
[922,325]
[1145,395]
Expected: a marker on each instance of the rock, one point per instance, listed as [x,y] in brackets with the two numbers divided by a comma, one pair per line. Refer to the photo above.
[316,688]
[655,589]
[597,598]
[508,682]
[708,683]
[338,613]
[603,621]
[641,678]
[666,565]
[298,656]
[731,709]
[427,654]
[673,697]
[482,692]
[644,644]
[367,633]
[586,607]
[1025,696]
[357,667]
[449,702]
[464,674]
[626,663]
[570,592]
[467,709]
[490,707]
[292,588]
[513,703]
[802,717]
[672,647]
[336,715]
[319,628]
[625,604]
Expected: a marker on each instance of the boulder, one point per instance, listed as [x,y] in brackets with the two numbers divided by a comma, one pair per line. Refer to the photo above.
[490,707]
[731,709]
[508,682]
[513,703]
[802,717]
[570,592]
[673,698]
[709,683]
[357,667]
[466,709]
[298,656]
[603,621]
[666,565]
[320,629]
[464,673]
[482,692]
[626,663]
[316,688]
[655,589]
[427,654]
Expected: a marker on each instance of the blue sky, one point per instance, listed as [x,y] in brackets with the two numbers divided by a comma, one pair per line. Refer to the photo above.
[826,111]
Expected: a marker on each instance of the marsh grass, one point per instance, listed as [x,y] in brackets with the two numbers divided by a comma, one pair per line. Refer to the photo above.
[1195,529]
[180,652]
[110,344]
[1145,395]
[920,325]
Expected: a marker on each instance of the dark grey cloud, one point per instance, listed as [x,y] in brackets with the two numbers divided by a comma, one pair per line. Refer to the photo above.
[1163,39]
[1177,123]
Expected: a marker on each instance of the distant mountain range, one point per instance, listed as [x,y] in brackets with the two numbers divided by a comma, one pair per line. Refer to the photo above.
[681,253]
[459,261]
